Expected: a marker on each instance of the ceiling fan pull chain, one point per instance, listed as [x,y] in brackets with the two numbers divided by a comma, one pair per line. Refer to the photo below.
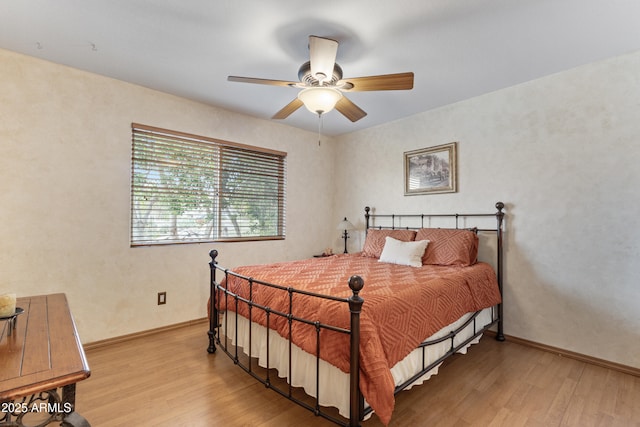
[319,127]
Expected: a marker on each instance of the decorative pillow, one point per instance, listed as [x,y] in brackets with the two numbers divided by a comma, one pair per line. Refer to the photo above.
[403,253]
[375,240]
[449,246]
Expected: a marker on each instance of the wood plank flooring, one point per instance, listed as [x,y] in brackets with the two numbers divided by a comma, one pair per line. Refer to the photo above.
[168,379]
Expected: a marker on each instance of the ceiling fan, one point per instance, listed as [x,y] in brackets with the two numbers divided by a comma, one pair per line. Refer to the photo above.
[322,85]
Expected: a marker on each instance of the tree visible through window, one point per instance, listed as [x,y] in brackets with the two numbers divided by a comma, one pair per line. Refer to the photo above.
[187,188]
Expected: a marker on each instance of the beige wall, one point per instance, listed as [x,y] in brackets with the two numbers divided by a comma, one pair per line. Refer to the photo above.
[563,153]
[65,150]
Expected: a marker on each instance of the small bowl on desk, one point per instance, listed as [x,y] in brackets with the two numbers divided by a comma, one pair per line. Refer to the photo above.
[9,311]
[18,311]
[7,305]
[12,319]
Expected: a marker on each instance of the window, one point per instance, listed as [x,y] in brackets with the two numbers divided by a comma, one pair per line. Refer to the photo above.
[188,188]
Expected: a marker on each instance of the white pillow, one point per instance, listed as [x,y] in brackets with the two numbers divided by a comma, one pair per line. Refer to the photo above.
[403,253]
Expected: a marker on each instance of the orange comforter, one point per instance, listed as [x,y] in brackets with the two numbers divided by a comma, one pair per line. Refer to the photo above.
[402,307]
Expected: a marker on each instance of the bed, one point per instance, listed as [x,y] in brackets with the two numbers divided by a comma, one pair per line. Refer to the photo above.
[352,330]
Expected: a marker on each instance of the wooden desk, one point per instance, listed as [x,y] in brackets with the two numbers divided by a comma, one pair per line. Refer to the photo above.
[43,354]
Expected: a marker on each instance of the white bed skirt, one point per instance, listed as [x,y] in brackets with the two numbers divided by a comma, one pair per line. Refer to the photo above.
[334,384]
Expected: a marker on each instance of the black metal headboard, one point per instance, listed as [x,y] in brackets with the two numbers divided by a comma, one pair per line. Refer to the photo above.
[417,221]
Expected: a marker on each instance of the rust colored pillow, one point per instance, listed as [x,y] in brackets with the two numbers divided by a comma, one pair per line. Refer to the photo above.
[374,243]
[449,246]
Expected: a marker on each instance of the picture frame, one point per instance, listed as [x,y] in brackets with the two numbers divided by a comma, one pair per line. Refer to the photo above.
[431,170]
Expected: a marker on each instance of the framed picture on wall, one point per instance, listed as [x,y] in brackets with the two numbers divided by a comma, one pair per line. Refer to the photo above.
[431,170]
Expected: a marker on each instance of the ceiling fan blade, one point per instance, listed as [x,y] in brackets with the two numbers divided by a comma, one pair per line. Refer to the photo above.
[322,55]
[399,81]
[288,109]
[350,110]
[260,81]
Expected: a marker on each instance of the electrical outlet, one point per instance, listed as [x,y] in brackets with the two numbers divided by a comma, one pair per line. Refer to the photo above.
[162,298]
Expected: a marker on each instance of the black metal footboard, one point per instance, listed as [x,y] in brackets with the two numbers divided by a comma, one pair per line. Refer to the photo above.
[219,292]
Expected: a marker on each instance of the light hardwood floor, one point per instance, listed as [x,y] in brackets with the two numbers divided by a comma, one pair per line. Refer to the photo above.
[168,379]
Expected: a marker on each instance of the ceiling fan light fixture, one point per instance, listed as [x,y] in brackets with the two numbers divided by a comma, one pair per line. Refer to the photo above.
[320,99]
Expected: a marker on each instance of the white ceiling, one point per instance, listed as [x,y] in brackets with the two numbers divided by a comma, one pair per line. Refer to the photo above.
[457,48]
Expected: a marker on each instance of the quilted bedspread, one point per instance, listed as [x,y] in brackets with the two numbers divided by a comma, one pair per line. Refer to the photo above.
[402,307]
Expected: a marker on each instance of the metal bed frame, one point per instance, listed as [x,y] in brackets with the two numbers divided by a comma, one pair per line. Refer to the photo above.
[356,401]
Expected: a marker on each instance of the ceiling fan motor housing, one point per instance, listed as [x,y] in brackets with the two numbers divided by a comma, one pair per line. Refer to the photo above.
[305,76]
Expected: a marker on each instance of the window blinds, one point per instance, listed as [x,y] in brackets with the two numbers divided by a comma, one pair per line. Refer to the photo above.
[187,188]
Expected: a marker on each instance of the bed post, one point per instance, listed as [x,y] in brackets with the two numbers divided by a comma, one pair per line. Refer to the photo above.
[213,311]
[355,307]
[500,217]
[366,219]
